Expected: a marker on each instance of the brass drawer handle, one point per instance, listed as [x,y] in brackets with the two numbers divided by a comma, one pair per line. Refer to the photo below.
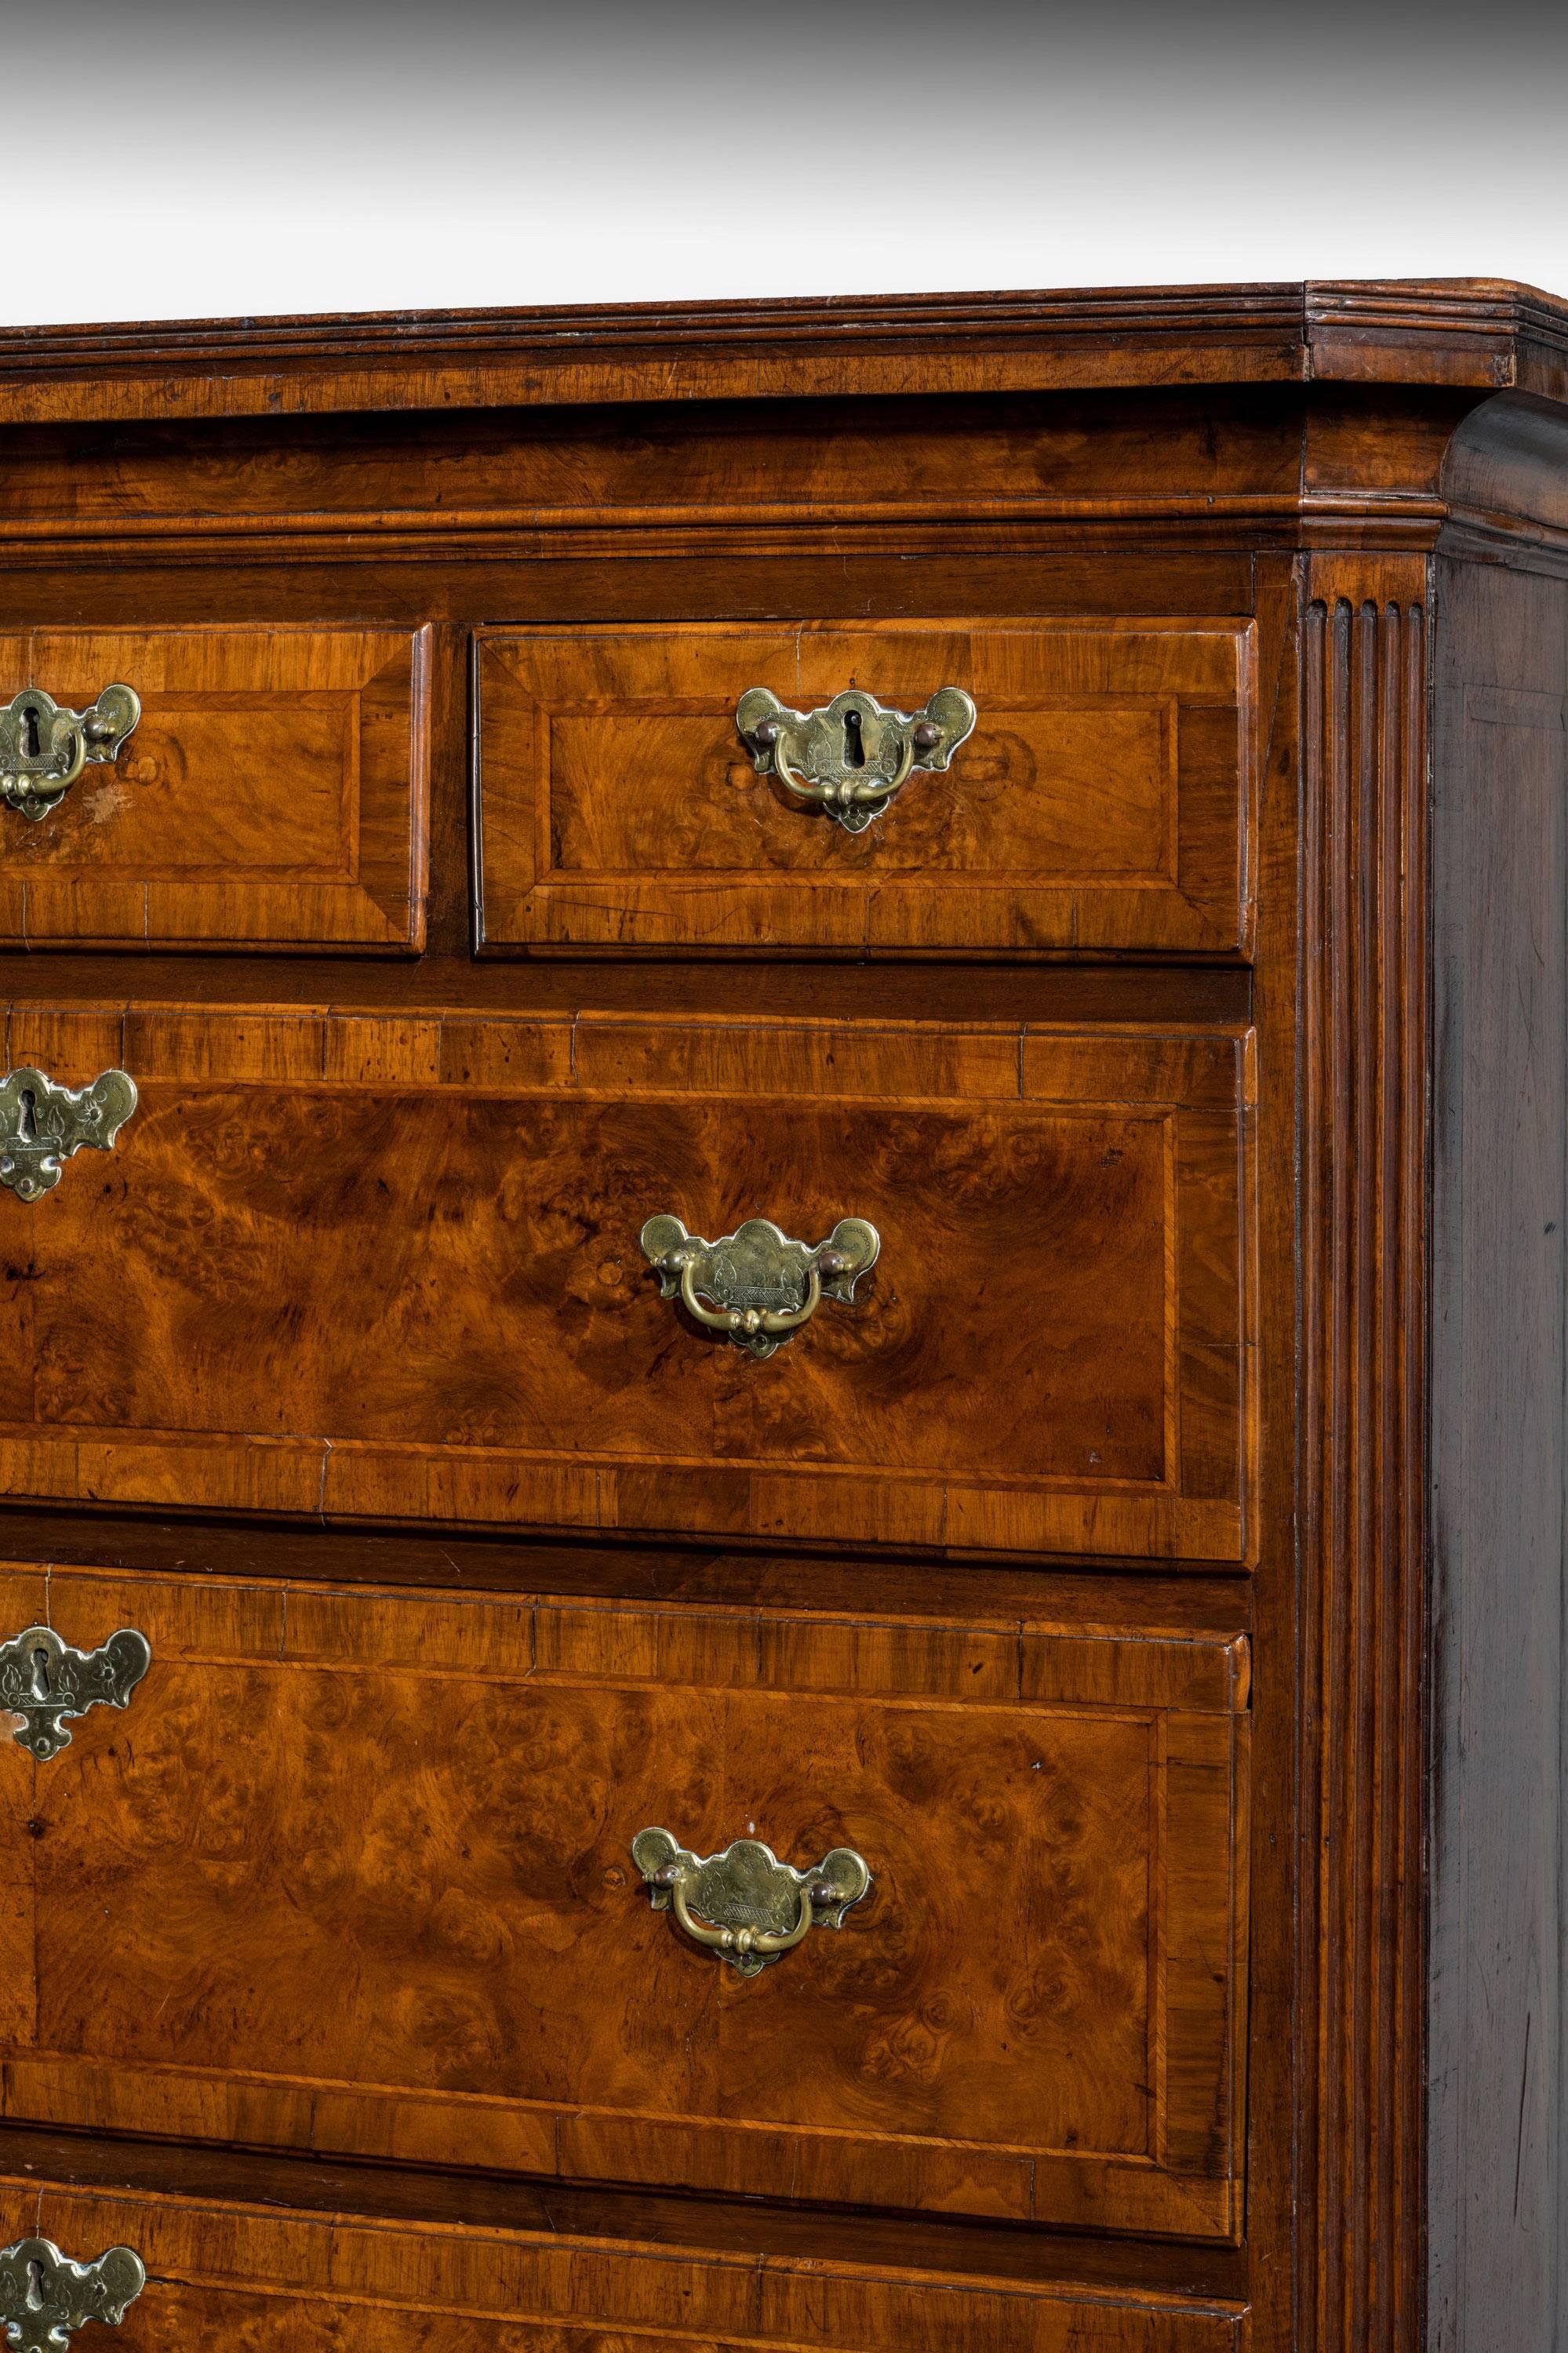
[43,1680]
[44,747]
[744,1905]
[763,1286]
[44,2295]
[41,1124]
[856,754]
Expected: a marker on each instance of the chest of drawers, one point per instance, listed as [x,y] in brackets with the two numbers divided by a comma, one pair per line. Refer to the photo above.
[781,1207]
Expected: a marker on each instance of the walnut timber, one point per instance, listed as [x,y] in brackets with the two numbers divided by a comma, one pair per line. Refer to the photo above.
[1114,1609]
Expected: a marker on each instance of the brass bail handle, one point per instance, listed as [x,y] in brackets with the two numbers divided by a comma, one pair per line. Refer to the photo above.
[747,1321]
[853,756]
[766,1942]
[845,792]
[52,745]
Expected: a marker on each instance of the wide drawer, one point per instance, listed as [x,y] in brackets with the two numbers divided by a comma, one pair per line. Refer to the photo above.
[273,2279]
[1102,801]
[272,793]
[355,1872]
[391,1268]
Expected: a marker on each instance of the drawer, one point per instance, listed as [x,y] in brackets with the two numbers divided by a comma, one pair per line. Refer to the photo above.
[394,1268]
[266,2278]
[1102,801]
[354,1872]
[272,794]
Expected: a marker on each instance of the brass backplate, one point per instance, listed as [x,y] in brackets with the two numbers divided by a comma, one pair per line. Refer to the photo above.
[744,1905]
[44,1679]
[851,758]
[41,1124]
[44,745]
[763,1286]
[44,2295]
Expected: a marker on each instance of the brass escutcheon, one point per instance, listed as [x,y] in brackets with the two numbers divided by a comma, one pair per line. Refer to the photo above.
[764,1286]
[44,1679]
[744,1905]
[44,2295]
[851,757]
[43,746]
[41,1124]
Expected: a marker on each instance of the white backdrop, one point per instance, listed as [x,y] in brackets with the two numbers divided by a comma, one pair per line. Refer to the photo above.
[187,160]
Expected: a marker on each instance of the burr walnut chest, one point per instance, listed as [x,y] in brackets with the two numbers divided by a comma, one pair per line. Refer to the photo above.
[781,1228]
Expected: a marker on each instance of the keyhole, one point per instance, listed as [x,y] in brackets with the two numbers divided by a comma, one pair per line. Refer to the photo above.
[35,2268]
[40,1674]
[855,750]
[31,746]
[27,1133]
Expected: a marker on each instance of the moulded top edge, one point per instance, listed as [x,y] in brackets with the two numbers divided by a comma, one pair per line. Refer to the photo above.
[1480,331]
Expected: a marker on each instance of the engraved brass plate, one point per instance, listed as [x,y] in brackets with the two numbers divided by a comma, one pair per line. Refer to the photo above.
[851,757]
[744,1905]
[43,746]
[41,1124]
[43,1680]
[763,1286]
[44,2295]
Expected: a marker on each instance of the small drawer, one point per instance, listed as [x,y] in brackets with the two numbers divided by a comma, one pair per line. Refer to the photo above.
[271,795]
[1100,803]
[375,1873]
[404,1267]
[270,2278]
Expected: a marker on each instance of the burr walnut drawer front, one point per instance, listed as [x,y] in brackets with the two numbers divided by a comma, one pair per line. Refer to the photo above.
[996,787]
[269,2278]
[199,787]
[448,1878]
[982,1287]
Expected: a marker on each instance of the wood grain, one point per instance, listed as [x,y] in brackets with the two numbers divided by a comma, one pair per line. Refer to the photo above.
[272,795]
[268,2280]
[461,1204]
[1365,1275]
[1102,802]
[417,1934]
[1475,331]
[721,476]
[964,2247]
[1273,466]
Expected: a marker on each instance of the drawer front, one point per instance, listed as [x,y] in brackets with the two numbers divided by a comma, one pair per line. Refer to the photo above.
[391,1268]
[272,794]
[354,1872]
[1100,803]
[268,2279]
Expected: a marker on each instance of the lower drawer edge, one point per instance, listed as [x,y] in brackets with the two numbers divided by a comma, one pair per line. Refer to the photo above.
[250,2277]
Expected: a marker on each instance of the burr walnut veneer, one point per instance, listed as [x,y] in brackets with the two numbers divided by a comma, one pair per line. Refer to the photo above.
[819,1385]
[486,1345]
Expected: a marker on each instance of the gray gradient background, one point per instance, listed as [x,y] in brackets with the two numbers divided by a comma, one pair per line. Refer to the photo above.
[182,160]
